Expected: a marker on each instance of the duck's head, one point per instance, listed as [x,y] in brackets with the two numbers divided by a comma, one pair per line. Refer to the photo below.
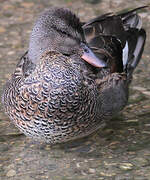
[58,29]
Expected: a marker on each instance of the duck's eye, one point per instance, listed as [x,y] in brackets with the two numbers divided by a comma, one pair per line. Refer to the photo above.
[74,37]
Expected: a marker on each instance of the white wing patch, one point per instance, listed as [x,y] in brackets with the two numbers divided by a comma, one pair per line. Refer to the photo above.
[139,25]
[125,53]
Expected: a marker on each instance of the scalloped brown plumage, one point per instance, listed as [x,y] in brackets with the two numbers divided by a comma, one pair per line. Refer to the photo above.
[56,96]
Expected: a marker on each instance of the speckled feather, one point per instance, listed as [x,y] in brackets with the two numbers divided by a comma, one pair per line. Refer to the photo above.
[61,103]
[60,98]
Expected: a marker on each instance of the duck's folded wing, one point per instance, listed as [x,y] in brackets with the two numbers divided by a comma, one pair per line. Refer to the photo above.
[113,24]
[109,49]
[104,25]
[122,31]
[103,36]
[130,18]
[136,41]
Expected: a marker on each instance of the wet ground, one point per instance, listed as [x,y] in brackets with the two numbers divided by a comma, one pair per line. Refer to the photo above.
[121,151]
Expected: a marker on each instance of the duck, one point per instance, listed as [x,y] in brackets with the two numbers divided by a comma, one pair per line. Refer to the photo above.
[75,75]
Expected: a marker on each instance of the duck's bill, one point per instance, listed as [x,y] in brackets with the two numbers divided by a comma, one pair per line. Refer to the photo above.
[91,58]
